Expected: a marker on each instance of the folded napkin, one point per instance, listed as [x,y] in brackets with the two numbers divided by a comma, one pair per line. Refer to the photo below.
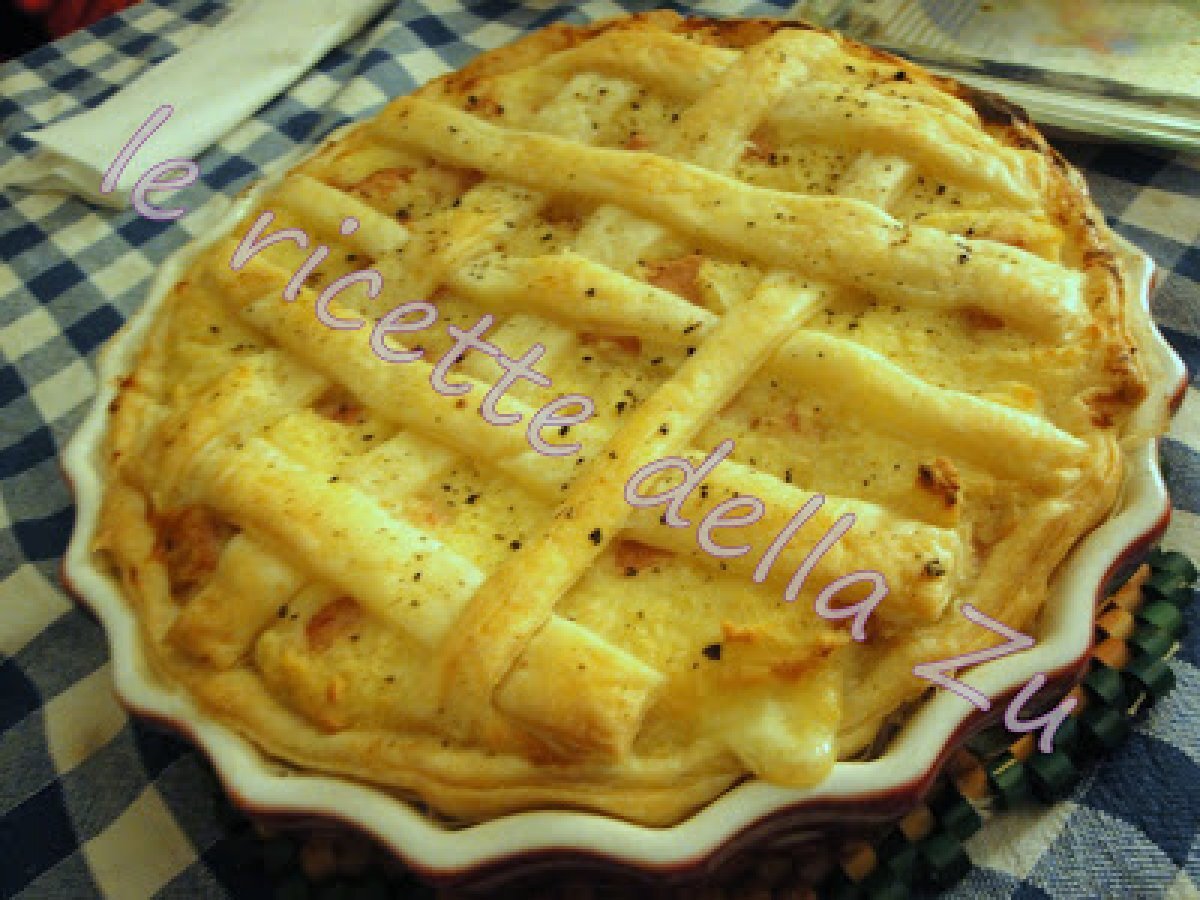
[210,85]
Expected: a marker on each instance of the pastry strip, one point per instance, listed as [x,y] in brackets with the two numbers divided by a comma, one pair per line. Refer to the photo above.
[844,373]
[220,623]
[680,66]
[343,357]
[836,238]
[937,132]
[324,208]
[517,599]
[710,133]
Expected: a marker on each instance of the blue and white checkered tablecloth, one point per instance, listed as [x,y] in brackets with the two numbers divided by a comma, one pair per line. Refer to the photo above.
[92,804]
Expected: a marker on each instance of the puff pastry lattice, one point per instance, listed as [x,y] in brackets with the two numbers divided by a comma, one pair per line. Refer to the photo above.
[883,288]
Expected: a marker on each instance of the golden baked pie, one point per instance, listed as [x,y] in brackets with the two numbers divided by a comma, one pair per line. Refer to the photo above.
[369,480]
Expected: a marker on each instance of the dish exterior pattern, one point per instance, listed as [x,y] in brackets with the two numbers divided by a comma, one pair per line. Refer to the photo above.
[886,291]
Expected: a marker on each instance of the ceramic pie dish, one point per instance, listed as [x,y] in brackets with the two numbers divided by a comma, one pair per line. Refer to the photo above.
[322,546]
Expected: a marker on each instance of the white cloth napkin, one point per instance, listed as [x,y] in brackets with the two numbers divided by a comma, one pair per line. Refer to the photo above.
[212,84]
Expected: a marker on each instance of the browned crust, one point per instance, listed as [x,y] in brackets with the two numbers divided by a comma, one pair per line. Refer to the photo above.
[1002,119]
[1076,214]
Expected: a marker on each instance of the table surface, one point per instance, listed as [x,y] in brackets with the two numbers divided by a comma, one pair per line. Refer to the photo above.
[92,804]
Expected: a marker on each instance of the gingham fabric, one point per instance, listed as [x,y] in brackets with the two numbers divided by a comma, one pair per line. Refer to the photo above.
[92,804]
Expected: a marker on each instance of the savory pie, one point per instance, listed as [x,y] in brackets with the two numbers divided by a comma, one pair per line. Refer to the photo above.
[885,289]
